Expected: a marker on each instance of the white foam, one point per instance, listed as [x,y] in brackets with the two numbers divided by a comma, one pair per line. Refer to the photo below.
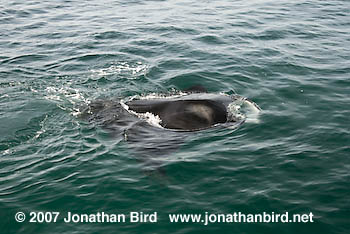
[252,111]
[122,68]
[159,96]
[63,94]
[150,118]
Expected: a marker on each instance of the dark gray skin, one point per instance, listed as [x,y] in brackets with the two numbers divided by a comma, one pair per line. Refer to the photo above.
[196,110]
[188,115]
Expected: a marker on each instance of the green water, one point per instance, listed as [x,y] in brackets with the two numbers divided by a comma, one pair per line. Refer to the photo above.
[289,57]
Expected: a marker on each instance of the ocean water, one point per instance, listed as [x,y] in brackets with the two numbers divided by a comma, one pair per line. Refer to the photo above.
[292,58]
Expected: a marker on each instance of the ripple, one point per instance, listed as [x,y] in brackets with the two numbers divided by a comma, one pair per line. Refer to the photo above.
[23,59]
[290,57]
[112,35]
[129,70]
[211,39]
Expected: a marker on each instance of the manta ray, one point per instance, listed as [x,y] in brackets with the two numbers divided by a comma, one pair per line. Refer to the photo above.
[190,113]
[177,116]
[194,110]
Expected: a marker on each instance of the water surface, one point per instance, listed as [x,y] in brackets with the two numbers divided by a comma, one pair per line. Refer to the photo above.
[290,57]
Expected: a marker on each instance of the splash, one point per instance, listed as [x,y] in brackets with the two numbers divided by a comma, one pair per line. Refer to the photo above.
[122,68]
[150,118]
[64,95]
[243,109]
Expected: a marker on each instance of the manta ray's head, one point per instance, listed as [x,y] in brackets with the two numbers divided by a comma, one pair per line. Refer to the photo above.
[187,115]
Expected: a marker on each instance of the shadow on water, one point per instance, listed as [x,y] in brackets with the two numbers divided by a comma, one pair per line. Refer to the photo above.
[148,143]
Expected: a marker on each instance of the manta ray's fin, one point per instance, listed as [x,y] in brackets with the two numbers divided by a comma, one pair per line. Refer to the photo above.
[196,89]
